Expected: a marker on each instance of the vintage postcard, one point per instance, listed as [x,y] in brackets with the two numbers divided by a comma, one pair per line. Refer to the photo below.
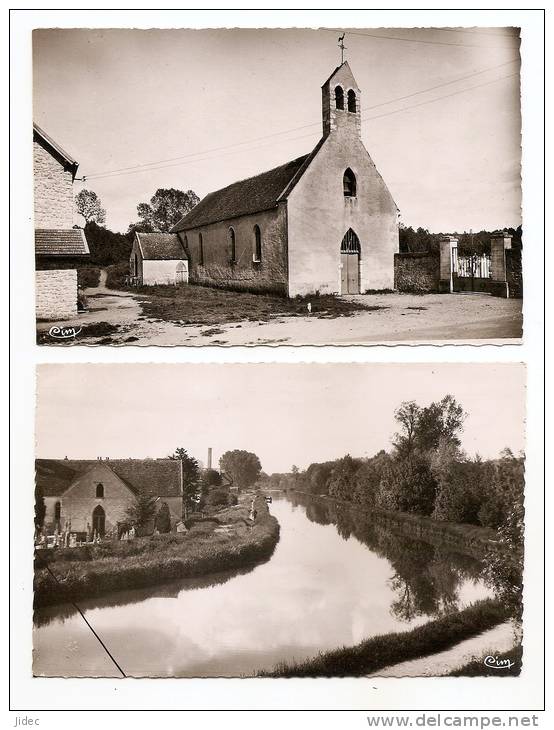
[277,186]
[351,520]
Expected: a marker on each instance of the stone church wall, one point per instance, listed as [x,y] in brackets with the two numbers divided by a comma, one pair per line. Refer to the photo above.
[268,275]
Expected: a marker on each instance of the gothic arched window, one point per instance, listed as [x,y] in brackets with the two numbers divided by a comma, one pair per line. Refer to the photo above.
[232,246]
[257,244]
[339,97]
[57,511]
[349,184]
[99,491]
[351,101]
[200,250]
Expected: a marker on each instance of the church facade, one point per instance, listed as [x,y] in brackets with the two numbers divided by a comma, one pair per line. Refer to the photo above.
[325,222]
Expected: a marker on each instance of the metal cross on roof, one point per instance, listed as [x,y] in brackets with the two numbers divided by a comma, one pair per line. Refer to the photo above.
[342,48]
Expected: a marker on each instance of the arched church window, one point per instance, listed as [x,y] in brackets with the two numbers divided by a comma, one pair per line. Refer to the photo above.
[99,491]
[351,101]
[232,246]
[257,244]
[57,511]
[200,250]
[349,184]
[339,97]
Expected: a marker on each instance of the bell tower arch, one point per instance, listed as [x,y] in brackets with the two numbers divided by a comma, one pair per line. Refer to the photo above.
[341,103]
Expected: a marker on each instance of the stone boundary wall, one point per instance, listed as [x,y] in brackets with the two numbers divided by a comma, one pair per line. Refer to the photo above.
[56,294]
[514,273]
[417,273]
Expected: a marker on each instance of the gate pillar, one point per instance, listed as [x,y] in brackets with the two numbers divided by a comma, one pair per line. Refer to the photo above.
[446,280]
[500,242]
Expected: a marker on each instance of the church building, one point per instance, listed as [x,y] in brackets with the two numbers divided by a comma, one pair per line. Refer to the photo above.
[325,222]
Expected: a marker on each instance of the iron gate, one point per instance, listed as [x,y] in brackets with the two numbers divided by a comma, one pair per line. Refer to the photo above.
[472,272]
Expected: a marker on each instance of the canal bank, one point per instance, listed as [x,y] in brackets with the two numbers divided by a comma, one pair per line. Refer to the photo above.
[331,582]
[227,540]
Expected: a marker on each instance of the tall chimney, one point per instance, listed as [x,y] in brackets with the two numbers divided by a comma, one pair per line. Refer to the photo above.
[209,457]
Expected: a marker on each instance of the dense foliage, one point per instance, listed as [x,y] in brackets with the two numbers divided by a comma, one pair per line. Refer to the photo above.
[421,240]
[166,208]
[243,468]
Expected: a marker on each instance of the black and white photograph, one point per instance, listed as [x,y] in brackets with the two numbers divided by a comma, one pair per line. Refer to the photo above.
[355,520]
[277,186]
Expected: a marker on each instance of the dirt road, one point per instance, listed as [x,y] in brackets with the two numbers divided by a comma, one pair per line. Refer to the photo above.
[390,319]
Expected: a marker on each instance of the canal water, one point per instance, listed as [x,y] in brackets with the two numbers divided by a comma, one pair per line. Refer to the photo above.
[335,579]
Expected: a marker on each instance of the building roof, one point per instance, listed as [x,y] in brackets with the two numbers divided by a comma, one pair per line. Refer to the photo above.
[245,197]
[160,246]
[157,477]
[55,147]
[60,242]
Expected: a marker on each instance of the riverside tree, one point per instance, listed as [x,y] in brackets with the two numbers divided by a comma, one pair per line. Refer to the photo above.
[191,478]
[242,467]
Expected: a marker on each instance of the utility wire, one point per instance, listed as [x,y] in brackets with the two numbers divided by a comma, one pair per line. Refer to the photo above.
[149,165]
[90,627]
[291,139]
[415,40]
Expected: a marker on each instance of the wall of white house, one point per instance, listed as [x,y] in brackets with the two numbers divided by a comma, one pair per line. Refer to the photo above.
[162,272]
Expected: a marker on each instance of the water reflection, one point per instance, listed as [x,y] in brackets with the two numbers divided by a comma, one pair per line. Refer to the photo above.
[334,579]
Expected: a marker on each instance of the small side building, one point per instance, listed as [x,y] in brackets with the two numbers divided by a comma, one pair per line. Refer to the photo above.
[59,248]
[158,258]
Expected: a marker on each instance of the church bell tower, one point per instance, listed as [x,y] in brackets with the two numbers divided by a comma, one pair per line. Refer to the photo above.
[341,103]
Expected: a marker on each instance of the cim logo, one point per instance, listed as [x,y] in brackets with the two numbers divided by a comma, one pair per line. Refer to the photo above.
[64,333]
[495,663]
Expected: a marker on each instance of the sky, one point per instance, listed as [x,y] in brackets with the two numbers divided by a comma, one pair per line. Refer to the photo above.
[285,413]
[121,98]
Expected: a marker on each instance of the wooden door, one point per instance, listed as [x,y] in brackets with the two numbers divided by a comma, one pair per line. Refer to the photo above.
[99,521]
[344,273]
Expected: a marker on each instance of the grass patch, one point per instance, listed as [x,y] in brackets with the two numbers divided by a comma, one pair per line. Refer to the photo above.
[93,570]
[384,651]
[193,304]
[478,668]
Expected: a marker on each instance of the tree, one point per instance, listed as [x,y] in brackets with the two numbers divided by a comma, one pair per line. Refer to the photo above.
[242,467]
[89,206]
[163,519]
[107,247]
[191,477]
[166,208]
[210,478]
[142,511]
[341,483]
[40,507]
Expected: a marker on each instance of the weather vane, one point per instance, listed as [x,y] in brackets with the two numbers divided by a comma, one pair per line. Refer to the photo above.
[342,48]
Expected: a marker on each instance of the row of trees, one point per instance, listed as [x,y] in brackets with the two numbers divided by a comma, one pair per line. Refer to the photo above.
[427,473]
[420,240]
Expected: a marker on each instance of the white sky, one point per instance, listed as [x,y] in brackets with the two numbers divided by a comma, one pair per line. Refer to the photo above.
[286,414]
[119,98]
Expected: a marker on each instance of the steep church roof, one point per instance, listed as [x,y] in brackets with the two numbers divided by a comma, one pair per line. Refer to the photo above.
[245,197]
[157,477]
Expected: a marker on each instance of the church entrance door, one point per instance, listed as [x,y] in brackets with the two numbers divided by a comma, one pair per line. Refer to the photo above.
[99,521]
[350,263]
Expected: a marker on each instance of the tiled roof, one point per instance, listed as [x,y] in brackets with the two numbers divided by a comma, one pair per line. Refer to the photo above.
[158,477]
[253,195]
[160,246]
[60,242]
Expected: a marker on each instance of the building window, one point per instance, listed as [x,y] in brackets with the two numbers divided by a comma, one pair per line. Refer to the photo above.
[257,244]
[351,101]
[99,491]
[57,511]
[339,98]
[200,250]
[232,247]
[349,184]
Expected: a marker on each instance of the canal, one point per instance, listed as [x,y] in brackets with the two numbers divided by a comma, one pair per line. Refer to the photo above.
[335,579]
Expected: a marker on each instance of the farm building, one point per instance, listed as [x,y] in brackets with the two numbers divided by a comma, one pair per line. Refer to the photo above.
[94,495]
[59,248]
[324,222]
[158,258]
